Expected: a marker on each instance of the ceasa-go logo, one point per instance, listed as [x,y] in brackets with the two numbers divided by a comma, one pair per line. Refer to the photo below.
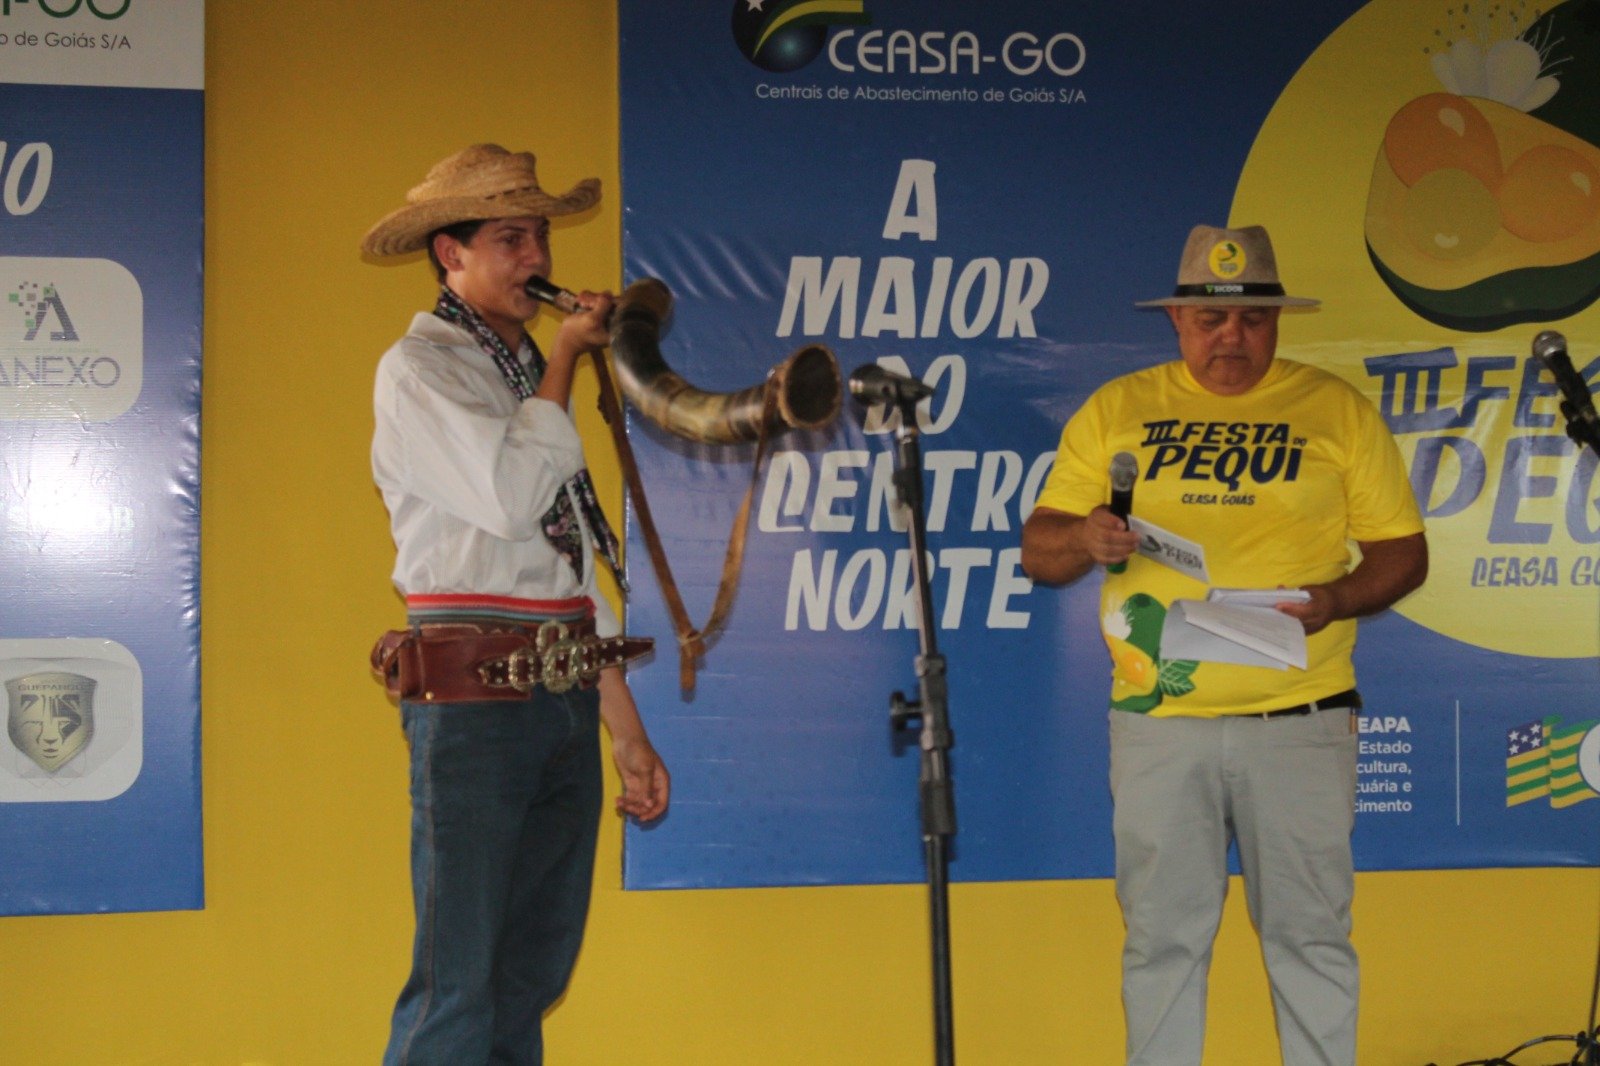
[60,9]
[785,35]
[71,339]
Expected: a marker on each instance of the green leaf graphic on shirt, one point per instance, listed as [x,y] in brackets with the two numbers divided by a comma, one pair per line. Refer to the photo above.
[1175,677]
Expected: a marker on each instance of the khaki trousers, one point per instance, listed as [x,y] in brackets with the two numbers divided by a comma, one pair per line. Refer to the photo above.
[1283,789]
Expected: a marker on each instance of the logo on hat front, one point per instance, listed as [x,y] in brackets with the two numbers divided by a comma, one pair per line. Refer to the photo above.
[51,716]
[1227,259]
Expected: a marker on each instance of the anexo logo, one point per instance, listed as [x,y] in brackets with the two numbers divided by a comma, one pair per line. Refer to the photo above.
[61,9]
[84,365]
[38,303]
[785,35]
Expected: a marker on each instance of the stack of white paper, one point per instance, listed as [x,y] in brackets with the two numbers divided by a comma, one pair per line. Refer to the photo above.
[1237,626]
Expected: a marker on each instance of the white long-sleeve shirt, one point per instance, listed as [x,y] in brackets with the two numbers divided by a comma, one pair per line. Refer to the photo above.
[466,470]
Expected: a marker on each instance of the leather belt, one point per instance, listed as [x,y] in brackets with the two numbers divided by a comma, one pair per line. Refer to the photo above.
[452,663]
[1349,699]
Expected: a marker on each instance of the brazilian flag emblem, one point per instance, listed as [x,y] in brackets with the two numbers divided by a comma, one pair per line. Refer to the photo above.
[785,35]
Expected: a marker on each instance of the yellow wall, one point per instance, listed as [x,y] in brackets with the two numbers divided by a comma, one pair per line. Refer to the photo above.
[319,115]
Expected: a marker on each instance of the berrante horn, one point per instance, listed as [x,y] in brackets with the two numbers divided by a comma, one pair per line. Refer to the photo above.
[805,388]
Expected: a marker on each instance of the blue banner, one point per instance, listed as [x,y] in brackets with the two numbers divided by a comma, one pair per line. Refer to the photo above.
[101,222]
[976,198]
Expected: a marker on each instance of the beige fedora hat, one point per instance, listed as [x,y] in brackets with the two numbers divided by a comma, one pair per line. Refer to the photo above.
[479,182]
[1230,268]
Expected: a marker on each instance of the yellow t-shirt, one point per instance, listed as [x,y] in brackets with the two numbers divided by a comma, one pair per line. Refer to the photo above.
[1274,484]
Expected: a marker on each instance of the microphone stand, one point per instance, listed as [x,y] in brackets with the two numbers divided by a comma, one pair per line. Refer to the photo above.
[1583,429]
[1581,426]
[934,785]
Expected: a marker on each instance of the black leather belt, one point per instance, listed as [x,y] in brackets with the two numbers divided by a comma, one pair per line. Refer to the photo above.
[1349,699]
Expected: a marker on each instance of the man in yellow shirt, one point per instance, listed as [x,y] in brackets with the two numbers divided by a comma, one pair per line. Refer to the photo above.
[1273,468]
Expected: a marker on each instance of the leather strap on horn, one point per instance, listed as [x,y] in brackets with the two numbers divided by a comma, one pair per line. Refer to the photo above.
[691,641]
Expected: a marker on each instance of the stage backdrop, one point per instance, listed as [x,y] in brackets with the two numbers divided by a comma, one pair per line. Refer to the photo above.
[100,245]
[976,196]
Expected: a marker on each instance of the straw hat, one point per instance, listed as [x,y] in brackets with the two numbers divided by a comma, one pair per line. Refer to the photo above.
[481,182]
[1229,268]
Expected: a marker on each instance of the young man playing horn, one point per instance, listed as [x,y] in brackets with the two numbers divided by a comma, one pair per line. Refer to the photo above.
[510,659]
[1274,467]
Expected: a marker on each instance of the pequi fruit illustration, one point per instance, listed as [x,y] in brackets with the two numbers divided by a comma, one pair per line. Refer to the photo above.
[1139,677]
[1484,206]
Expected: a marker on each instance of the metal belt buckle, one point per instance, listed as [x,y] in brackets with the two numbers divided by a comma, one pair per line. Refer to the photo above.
[559,656]
[519,670]
[522,670]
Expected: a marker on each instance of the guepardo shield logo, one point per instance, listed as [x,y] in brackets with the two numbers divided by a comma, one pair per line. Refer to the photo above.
[785,35]
[50,716]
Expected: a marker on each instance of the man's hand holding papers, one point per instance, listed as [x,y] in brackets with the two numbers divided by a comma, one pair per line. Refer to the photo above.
[1240,626]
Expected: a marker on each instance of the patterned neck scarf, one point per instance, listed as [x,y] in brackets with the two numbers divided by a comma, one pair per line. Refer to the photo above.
[561,526]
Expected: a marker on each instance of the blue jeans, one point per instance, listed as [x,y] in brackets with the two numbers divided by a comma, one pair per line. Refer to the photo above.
[505,808]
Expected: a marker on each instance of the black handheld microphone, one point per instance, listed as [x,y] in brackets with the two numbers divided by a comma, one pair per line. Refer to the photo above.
[1550,348]
[549,292]
[871,383]
[1124,472]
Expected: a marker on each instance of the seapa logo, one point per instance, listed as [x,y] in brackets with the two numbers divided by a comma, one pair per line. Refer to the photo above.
[39,302]
[785,35]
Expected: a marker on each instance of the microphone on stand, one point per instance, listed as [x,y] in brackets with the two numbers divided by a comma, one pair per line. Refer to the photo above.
[1577,403]
[1124,472]
[871,383]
